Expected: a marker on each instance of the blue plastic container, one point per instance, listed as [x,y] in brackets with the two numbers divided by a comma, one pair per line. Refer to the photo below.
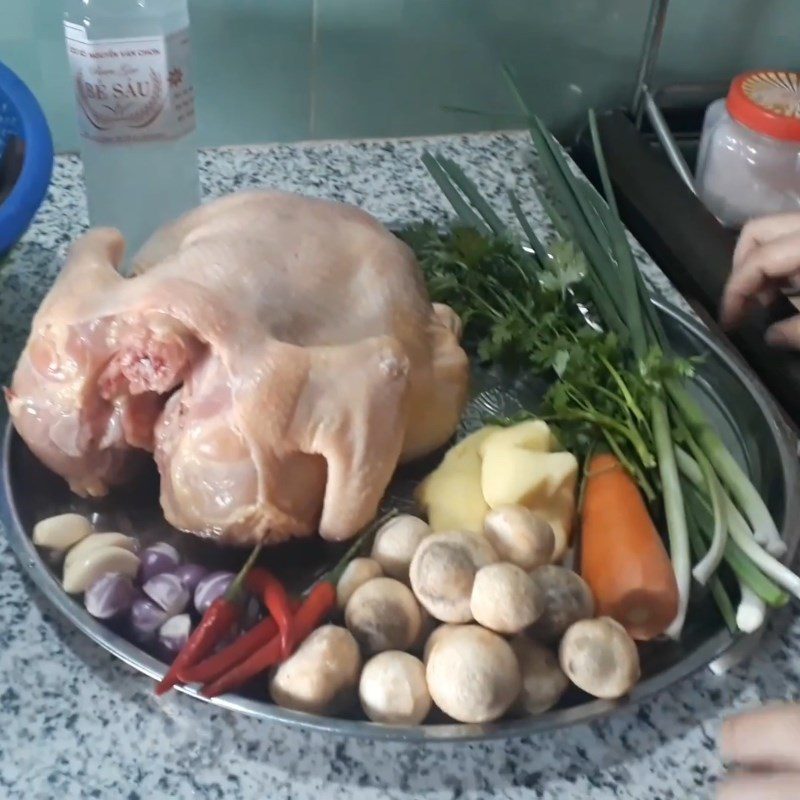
[21,116]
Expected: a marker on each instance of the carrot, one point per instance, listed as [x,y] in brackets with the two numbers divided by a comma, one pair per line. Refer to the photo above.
[623,558]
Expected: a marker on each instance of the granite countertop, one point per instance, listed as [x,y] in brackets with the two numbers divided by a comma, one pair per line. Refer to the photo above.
[77,723]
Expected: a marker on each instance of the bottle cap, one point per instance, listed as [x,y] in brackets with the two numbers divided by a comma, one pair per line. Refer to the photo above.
[767,102]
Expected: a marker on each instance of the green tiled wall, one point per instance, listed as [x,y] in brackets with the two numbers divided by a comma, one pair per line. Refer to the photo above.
[270,70]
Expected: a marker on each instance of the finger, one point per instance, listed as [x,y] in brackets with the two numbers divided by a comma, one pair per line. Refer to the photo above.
[745,245]
[769,737]
[766,297]
[768,264]
[778,786]
[734,310]
[785,333]
[762,230]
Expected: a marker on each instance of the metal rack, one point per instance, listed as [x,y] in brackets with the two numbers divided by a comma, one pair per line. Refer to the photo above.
[644,103]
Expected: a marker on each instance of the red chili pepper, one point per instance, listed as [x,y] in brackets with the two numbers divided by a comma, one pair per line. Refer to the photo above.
[212,667]
[271,590]
[216,622]
[319,603]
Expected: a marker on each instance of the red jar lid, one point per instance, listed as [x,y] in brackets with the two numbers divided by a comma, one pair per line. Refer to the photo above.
[767,102]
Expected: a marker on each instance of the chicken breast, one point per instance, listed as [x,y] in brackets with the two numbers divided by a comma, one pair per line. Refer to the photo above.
[278,354]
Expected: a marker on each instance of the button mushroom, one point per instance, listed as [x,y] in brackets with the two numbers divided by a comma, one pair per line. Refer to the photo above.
[567,599]
[322,675]
[396,542]
[81,573]
[543,680]
[505,598]
[599,656]
[443,571]
[436,635]
[356,573]
[427,625]
[382,614]
[473,675]
[393,689]
[520,536]
[61,532]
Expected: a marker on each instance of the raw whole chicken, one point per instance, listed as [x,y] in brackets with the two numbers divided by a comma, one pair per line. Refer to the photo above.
[277,354]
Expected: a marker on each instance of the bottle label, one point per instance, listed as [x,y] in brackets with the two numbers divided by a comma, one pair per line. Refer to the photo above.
[131,90]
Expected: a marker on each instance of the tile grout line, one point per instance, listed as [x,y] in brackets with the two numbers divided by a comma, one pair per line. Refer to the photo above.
[312,78]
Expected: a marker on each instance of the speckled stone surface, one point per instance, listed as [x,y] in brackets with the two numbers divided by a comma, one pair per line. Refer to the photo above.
[77,723]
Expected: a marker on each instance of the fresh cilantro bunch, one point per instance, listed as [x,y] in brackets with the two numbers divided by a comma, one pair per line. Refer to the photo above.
[531,317]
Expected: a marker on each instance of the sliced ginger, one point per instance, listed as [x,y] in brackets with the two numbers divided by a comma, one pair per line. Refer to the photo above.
[495,467]
[451,495]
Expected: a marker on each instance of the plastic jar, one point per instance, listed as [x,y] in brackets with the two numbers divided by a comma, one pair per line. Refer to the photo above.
[749,159]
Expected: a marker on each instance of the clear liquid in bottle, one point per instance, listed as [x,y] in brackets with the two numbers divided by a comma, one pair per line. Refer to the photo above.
[135,105]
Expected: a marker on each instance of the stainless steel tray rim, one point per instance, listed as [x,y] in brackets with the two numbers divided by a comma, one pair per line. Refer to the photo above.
[134,657]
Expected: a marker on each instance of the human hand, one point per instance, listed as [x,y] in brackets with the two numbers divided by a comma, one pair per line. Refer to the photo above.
[766,260]
[765,746]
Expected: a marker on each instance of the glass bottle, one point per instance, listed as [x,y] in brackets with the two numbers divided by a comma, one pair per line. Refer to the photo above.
[135,105]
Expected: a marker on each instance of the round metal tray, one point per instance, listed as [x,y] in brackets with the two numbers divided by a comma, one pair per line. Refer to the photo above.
[743,413]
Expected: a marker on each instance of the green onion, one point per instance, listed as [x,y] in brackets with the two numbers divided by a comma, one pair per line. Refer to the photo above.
[607,289]
[534,241]
[743,569]
[675,512]
[715,585]
[707,566]
[751,612]
[743,491]
[723,601]
[467,215]
[626,266]
[559,223]
[741,534]
[471,192]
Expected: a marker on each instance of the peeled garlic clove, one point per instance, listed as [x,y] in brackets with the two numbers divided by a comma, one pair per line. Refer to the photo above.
[62,531]
[81,573]
[97,540]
